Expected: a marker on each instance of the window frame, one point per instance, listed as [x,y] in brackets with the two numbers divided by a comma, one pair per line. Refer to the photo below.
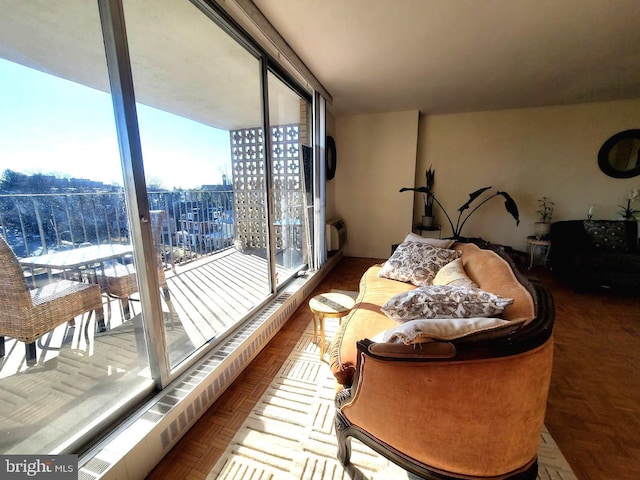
[123,94]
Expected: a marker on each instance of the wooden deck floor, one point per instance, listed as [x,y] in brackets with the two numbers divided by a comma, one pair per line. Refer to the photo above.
[210,296]
[79,372]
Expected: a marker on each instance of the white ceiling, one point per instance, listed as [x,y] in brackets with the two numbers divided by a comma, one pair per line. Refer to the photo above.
[443,56]
[437,56]
[182,62]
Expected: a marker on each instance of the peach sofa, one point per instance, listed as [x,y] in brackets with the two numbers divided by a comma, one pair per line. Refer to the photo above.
[467,408]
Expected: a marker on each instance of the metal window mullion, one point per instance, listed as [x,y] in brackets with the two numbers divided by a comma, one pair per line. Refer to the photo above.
[268,174]
[319,183]
[136,200]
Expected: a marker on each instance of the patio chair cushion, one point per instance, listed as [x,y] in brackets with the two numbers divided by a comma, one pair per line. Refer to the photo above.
[56,303]
[120,280]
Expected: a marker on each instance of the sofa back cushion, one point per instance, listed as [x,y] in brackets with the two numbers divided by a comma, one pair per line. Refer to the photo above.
[570,236]
[444,301]
[493,274]
[417,262]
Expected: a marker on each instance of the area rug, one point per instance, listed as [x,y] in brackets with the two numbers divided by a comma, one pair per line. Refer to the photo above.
[290,432]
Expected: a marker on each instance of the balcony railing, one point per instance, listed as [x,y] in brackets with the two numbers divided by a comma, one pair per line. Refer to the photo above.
[209,296]
[198,222]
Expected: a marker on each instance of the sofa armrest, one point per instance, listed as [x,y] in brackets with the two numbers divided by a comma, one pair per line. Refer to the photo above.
[399,351]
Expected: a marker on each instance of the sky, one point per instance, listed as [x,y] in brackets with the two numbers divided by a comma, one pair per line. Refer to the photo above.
[54,126]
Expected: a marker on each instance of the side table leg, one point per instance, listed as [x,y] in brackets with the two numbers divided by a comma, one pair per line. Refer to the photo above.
[532,251]
[532,255]
[315,327]
[321,324]
[546,257]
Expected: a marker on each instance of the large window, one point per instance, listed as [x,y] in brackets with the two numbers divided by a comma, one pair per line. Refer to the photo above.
[177,206]
[61,191]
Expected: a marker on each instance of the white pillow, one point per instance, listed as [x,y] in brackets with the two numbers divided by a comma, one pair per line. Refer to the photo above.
[416,262]
[444,301]
[453,274]
[431,329]
[436,242]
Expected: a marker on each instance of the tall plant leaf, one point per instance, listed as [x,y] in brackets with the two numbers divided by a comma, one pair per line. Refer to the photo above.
[472,197]
[421,189]
[511,206]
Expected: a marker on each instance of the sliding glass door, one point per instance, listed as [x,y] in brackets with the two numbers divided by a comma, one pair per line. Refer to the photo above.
[195,88]
[152,157]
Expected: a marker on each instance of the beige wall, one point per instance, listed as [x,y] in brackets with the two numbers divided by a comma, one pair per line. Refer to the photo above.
[528,153]
[376,157]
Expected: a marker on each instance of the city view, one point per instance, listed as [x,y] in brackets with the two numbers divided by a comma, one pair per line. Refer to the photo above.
[59,157]
[43,213]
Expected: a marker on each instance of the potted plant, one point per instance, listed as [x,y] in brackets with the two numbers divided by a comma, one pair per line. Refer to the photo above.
[509,204]
[427,218]
[627,212]
[545,210]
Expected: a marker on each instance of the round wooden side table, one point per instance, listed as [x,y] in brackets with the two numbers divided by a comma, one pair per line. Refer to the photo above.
[328,305]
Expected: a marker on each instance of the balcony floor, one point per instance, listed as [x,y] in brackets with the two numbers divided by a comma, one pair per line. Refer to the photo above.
[76,366]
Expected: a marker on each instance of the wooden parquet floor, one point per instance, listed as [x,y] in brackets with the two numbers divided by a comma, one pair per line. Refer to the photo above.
[594,401]
[593,410]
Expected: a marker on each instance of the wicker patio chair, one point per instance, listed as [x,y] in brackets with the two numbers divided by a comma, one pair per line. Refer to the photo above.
[120,280]
[29,314]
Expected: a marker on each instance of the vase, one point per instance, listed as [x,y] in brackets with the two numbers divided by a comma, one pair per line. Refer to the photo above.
[427,221]
[542,229]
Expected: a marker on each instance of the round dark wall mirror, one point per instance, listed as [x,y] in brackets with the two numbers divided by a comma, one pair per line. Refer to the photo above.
[331,158]
[619,156]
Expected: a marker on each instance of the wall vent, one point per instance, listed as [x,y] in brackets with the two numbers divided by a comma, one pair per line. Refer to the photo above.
[165,439]
[93,469]
[152,416]
[244,354]
[84,475]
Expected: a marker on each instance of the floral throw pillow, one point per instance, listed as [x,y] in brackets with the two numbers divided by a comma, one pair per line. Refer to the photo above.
[444,301]
[417,262]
